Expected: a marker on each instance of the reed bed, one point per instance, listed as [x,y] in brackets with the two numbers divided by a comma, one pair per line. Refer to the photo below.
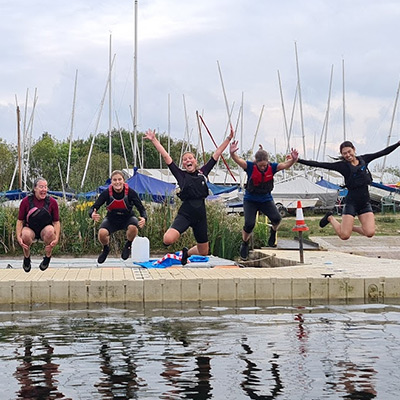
[79,232]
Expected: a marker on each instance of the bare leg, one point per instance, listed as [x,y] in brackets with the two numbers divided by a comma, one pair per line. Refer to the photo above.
[367,227]
[131,232]
[104,237]
[246,236]
[343,229]
[28,236]
[48,234]
[201,249]
[171,236]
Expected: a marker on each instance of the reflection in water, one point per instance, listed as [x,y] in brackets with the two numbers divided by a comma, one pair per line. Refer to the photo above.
[36,373]
[301,333]
[196,388]
[356,380]
[319,353]
[120,380]
[203,375]
[252,378]
[176,369]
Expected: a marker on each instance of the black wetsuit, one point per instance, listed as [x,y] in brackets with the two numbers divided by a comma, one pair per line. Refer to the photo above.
[193,191]
[356,178]
[119,218]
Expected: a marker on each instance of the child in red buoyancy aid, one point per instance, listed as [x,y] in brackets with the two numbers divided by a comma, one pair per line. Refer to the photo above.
[257,197]
[119,199]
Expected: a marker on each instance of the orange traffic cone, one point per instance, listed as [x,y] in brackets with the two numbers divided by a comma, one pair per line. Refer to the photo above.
[300,224]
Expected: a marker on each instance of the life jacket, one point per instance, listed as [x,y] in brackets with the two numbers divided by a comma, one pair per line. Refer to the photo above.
[359,176]
[118,207]
[260,182]
[38,218]
[194,187]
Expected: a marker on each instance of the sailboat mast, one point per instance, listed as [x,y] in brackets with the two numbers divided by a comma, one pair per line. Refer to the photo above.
[96,128]
[72,129]
[284,114]
[109,112]
[300,102]
[344,104]
[324,133]
[19,147]
[225,97]
[29,139]
[391,129]
[135,91]
[258,127]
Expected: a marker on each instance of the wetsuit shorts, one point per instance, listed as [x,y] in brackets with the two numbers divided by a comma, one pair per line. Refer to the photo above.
[251,208]
[116,224]
[192,214]
[38,233]
[353,209]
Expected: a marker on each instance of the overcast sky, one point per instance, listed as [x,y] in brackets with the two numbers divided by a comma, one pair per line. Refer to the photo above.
[180,43]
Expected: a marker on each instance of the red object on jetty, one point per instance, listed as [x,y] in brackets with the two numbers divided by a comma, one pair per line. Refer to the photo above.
[300,223]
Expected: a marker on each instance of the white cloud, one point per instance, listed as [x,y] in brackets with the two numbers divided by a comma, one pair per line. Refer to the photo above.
[179,45]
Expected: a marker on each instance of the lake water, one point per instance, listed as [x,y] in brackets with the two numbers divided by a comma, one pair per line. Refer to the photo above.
[209,352]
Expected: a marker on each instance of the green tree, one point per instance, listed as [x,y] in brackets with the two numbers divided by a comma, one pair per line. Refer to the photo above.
[8,160]
[44,161]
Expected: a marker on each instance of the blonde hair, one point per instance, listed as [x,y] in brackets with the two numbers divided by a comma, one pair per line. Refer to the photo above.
[118,172]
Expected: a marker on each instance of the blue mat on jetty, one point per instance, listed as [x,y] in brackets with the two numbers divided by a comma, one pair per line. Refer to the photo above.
[170,260]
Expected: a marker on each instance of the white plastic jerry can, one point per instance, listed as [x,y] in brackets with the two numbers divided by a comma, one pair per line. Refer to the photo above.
[140,250]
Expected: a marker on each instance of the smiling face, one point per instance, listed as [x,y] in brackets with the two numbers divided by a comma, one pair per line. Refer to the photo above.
[349,154]
[117,182]
[40,189]
[189,162]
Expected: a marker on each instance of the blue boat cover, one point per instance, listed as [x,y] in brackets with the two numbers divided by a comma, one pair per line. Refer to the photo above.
[329,185]
[16,194]
[218,189]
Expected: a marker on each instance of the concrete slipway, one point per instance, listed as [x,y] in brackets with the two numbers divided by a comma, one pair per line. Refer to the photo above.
[333,273]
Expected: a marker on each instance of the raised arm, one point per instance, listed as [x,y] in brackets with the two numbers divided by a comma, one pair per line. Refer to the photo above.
[291,159]
[233,148]
[369,157]
[151,135]
[223,146]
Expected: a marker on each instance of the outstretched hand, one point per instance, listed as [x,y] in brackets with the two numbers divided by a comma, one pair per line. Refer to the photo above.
[231,134]
[150,134]
[294,154]
[233,147]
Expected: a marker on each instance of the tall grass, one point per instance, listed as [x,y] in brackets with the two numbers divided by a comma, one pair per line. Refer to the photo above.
[79,232]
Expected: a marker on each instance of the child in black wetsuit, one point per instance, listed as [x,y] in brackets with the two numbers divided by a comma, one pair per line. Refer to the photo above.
[193,191]
[357,178]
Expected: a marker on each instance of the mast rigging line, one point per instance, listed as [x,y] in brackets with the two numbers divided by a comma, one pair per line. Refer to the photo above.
[215,144]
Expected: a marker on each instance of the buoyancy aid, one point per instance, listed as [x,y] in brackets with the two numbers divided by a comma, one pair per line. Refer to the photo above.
[260,182]
[38,218]
[359,175]
[194,187]
[118,207]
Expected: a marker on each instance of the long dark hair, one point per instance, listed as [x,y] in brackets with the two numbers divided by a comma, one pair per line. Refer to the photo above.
[346,143]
